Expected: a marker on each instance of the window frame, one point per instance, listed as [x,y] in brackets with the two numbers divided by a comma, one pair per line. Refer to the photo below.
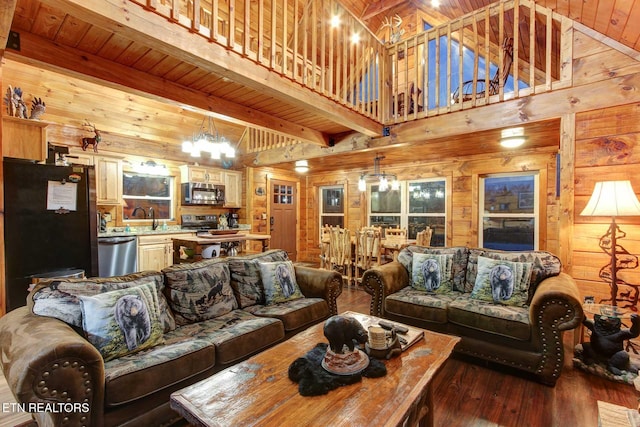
[404,213]
[321,205]
[171,198]
[535,215]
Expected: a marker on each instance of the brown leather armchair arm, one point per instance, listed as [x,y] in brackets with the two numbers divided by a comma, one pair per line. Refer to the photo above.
[49,364]
[555,307]
[381,281]
[318,283]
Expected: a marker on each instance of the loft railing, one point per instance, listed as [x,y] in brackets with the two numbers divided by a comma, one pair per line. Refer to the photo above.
[506,50]
[458,65]
[294,39]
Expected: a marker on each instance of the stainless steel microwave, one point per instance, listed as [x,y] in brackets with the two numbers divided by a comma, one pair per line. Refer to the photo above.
[200,193]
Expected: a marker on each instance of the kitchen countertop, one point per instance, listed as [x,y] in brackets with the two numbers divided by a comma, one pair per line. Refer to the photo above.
[146,230]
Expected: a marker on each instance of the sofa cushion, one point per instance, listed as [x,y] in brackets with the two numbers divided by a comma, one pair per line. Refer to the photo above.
[432,272]
[199,291]
[245,275]
[508,321]
[419,304]
[137,375]
[294,314]
[122,321]
[279,282]
[235,335]
[543,265]
[59,297]
[460,257]
[502,282]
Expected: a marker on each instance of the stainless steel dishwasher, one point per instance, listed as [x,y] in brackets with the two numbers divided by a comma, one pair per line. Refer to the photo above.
[117,255]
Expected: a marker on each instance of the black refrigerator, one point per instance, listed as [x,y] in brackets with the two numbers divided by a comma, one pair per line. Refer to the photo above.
[50,224]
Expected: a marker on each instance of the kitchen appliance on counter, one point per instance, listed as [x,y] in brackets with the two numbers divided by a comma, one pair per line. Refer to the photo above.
[201,193]
[199,223]
[232,220]
[50,224]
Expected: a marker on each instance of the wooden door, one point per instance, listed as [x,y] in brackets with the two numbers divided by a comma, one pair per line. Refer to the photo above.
[283,217]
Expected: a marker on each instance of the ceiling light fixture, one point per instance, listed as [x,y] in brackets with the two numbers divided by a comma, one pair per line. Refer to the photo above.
[435,3]
[208,140]
[302,166]
[381,177]
[335,21]
[513,137]
[355,38]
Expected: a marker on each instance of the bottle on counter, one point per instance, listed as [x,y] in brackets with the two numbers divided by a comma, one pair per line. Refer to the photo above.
[164,226]
[127,229]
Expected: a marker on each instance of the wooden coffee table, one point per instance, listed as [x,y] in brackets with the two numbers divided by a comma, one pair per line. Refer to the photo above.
[258,391]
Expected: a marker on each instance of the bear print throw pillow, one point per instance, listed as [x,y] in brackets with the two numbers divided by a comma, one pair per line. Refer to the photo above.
[502,282]
[123,321]
[279,281]
[432,272]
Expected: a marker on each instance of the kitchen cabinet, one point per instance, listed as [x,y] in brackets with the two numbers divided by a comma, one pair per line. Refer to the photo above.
[233,189]
[201,174]
[155,251]
[24,139]
[108,180]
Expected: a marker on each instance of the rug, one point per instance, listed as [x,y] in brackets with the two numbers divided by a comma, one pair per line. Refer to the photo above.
[314,380]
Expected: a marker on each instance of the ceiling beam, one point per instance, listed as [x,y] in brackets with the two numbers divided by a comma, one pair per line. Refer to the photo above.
[7,9]
[381,6]
[135,23]
[38,51]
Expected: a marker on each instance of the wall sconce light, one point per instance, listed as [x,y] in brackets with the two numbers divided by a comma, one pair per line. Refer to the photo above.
[513,137]
[302,166]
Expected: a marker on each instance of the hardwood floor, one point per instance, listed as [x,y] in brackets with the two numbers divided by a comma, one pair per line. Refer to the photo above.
[467,393]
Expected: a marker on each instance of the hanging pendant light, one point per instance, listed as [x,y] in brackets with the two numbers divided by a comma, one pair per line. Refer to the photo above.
[381,177]
[209,141]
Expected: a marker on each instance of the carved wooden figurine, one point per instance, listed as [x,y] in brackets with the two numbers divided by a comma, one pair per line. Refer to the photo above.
[91,141]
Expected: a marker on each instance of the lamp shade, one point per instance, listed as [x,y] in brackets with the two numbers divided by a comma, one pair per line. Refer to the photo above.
[612,198]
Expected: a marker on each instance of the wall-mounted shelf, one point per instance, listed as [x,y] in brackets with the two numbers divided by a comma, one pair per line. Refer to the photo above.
[24,139]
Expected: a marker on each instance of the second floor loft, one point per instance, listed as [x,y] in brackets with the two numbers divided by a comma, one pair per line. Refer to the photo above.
[284,72]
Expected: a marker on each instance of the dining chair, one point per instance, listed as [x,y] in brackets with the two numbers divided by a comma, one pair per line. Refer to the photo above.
[394,239]
[423,238]
[340,252]
[368,251]
[325,244]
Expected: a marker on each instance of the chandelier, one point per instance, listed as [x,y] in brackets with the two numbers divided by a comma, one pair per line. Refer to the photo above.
[209,141]
[381,177]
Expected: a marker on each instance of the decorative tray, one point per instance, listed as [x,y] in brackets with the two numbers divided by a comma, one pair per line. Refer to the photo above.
[228,231]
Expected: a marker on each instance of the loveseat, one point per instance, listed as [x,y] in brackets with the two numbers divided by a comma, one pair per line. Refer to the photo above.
[203,317]
[508,307]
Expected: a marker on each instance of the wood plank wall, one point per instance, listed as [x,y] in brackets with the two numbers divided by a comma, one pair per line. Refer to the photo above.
[462,175]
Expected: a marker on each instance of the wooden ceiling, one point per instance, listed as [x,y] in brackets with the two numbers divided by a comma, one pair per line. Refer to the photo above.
[75,51]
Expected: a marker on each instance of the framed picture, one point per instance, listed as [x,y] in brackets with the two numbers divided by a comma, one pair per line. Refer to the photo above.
[525,200]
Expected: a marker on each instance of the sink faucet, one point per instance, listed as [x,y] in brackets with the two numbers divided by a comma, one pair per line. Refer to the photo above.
[154,223]
[135,211]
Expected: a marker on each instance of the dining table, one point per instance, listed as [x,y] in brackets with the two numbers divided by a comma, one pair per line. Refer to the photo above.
[389,245]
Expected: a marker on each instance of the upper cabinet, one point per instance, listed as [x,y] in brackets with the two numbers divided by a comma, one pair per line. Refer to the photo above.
[108,180]
[201,174]
[233,189]
[24,139]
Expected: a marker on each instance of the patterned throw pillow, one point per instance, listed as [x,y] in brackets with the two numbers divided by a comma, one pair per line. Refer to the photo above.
[432,272]
[503,282]
[59,298]
[200,292]
[123,321]
[279,280]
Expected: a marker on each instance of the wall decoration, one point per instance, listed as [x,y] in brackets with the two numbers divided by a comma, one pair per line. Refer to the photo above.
[91,141]
[16,106]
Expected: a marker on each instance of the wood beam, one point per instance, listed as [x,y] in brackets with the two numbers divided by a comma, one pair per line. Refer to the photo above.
[550,105]
[381,6]
[137,24]
[7,9]
[38,51]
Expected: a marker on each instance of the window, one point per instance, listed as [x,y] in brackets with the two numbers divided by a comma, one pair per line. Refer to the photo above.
[416,205]
[331,206]
[509,206]
[147,191]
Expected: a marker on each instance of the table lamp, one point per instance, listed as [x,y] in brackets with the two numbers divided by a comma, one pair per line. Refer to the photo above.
[614,198]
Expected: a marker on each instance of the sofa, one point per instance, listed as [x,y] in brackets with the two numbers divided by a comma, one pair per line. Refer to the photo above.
[510,308]
[110,351]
